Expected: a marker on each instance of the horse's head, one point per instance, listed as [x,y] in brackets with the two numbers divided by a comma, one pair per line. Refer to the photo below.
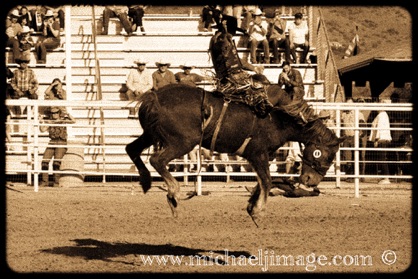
[317,159]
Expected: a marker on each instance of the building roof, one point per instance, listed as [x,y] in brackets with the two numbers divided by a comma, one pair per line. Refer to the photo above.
[399,53]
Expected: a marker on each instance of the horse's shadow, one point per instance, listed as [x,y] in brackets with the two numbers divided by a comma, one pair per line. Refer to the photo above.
[92,249]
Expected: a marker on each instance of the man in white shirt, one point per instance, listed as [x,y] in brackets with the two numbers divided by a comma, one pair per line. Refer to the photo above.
[258,35]
[138,81]
[380,135]
[299,37]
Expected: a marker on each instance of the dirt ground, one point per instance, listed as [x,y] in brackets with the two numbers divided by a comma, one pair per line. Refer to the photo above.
[115,228]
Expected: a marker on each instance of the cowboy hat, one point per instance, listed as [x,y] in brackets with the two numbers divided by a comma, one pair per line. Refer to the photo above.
[140,60]
[49,13]
[15,13]
[25,29]
[162,62]
[258,12]
[187,66]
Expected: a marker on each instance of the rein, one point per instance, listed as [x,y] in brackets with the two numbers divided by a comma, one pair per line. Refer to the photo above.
[218,127]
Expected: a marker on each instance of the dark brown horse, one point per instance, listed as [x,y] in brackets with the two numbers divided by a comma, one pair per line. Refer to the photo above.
[178,117]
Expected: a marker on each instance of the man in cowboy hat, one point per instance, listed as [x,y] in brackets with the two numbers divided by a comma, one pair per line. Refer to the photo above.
[163,76]
[50,38]
[13,29]
[187,77]
[25,43]
[58,137]
[138,81]
[258,35]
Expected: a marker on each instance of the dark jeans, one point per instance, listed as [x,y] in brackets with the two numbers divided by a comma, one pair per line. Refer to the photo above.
[283,43]
[382,157]
[53,152]
[136,14]
[14,45]
[44,44]
[304,53]
[107,14]
[253,50]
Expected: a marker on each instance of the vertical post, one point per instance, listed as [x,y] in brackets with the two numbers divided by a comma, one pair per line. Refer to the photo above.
[36,149]
[198,187]
[338,155]
[68,61]
[356,153]
[28,142]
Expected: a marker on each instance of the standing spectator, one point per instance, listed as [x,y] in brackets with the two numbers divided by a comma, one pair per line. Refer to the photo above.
[293,160]
[55,91]
[348,124]
[381,137]
[299,37]
[187,77]
[277,37]
[50,38]
[58,138]
[121,12]
[163,76]
[25,43]
[292,81]
[136,12]
[13,29]
[24,82]
[258,35]
[138,81]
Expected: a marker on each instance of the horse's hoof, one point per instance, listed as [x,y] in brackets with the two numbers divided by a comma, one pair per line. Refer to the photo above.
[172,202]
[256,220]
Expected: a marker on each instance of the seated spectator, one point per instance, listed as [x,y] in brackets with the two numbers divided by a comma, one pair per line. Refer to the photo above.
[299,37]
[24,83]
[207,18]
[50,38]
[138,81]
[59,15]
[38,15]
[121,12]
[277,37]
[13,29]
[136,12]
[55,91]
[25,43]
[258,36]
[163,76]
[25,17]
[187,77]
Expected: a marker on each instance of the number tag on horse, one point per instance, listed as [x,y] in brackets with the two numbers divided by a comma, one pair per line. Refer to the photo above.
[317,153]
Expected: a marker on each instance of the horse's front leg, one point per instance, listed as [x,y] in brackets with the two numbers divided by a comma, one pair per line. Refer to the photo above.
[258,200]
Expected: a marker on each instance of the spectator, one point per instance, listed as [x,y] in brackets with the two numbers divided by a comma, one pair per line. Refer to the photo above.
[247,13]
[293,160]
[38,15]
[138,81]
[136,12]
[188,77]
[59,15]
[277,37]
[207,16]
[55,149]
[55,91]
[163,76]
[50,38]
[24,82]
[381,137]
[25,43]
[258,36]
[292,81]
[348,124]
[13,29]
[25,17]
[121,12]
[299,37]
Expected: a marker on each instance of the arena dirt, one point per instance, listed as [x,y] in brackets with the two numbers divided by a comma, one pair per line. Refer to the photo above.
[113,228]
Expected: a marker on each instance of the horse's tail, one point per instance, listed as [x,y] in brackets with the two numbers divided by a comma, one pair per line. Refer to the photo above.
[149,117]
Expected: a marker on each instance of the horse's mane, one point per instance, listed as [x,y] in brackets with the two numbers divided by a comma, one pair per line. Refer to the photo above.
[318,130]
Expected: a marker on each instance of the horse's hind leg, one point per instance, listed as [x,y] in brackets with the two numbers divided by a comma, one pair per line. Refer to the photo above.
[159,161]
[134,150]
[258,199]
